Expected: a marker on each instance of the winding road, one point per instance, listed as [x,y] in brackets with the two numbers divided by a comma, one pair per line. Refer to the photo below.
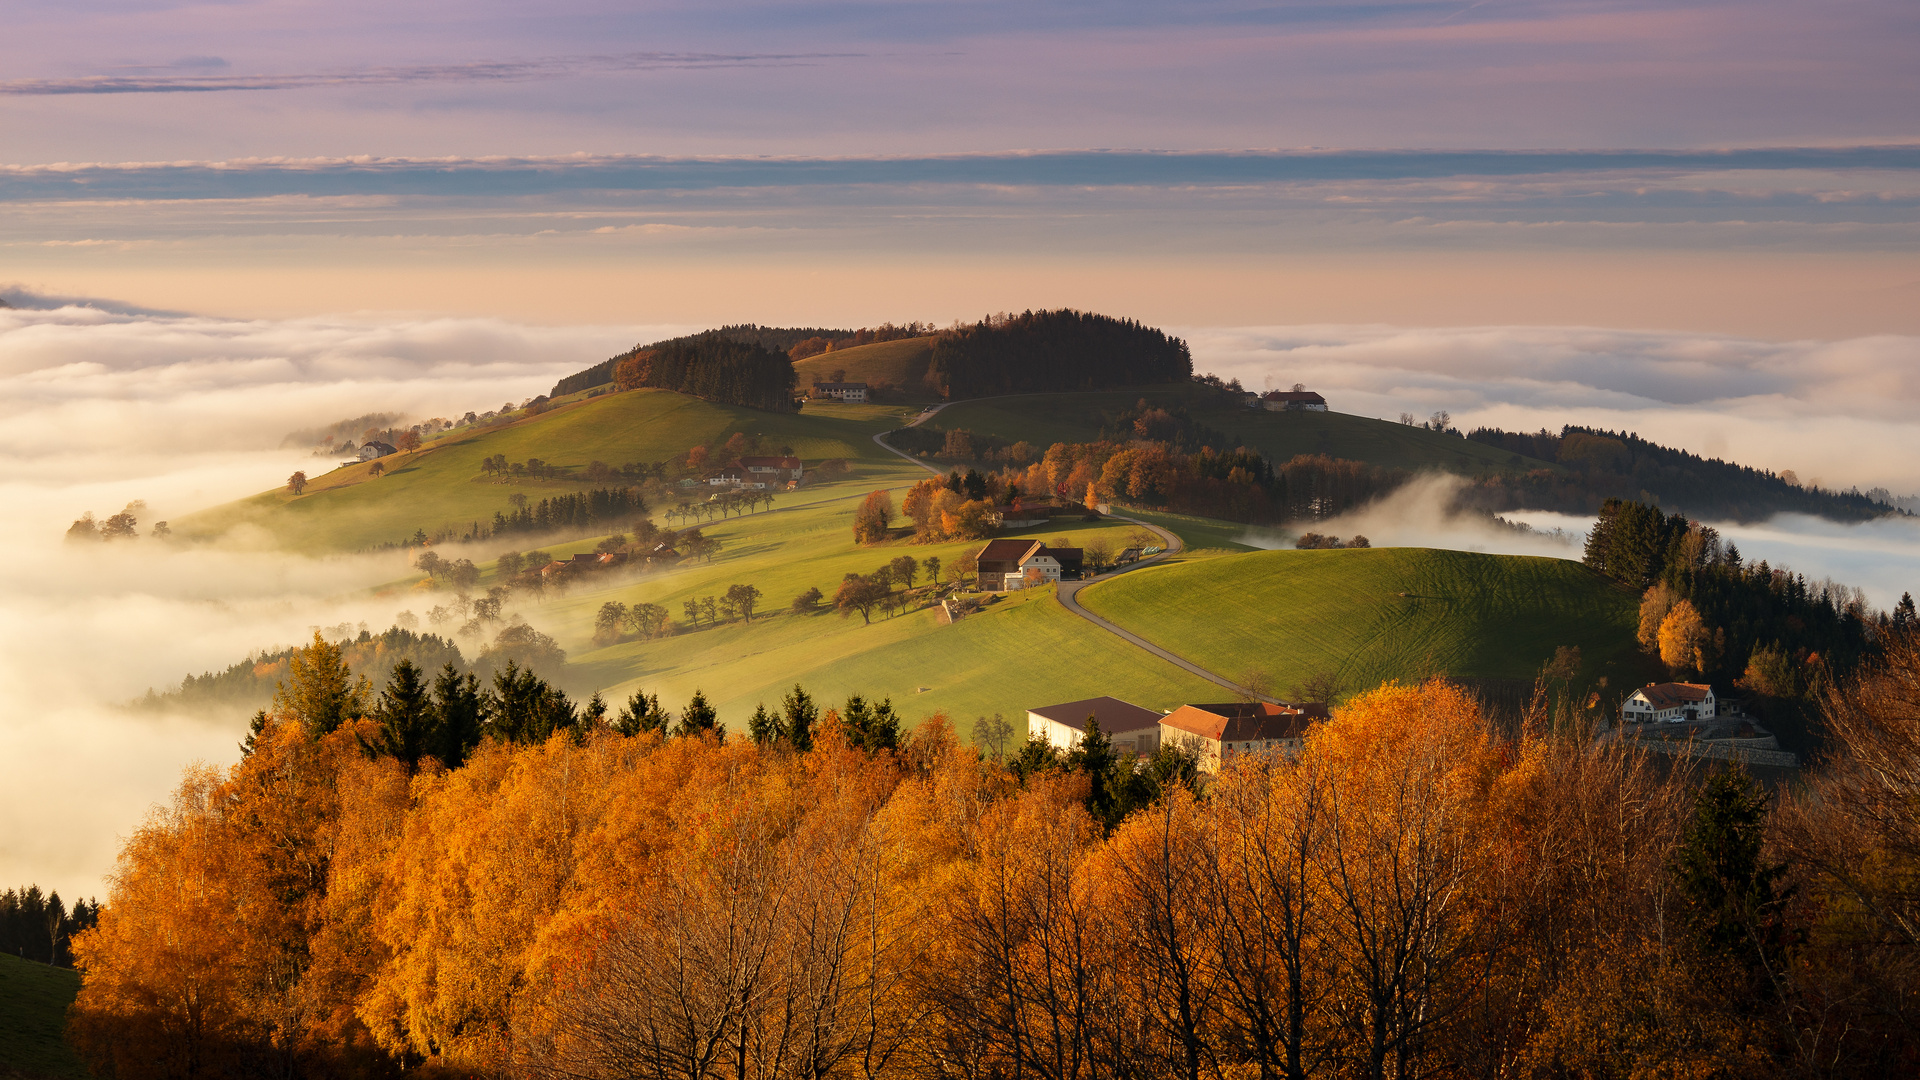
[1068,592]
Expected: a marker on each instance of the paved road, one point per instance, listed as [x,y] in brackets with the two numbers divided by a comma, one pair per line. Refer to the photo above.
[1068,591]
[1069,594]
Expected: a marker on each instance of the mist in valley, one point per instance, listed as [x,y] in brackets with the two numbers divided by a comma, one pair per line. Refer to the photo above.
[101,407]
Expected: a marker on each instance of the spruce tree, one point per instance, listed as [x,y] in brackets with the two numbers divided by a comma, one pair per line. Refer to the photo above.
[698,717]
[763,727]
[1730,895]
[642,712]
[459,712]
[798,714]
[405,716]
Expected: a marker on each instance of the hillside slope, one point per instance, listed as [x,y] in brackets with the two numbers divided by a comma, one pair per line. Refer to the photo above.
[1382,613]
[1043,419]
[901,364]
[33,1018]
[1020,653]
[442,484]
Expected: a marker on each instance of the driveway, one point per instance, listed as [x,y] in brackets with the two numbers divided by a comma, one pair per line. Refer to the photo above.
[1068,591]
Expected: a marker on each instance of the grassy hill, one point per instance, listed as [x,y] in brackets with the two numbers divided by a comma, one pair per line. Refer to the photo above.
[33,1017]
[902,363]
[442,484]
[1376,614]
[1043,419]
[1022,652]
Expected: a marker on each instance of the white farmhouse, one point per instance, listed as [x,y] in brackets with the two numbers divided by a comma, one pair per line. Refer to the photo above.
[1670,702]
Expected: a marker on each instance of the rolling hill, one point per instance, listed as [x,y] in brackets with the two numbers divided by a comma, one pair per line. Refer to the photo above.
[901,364]
[1376,614]
[442,484]
[1043,419]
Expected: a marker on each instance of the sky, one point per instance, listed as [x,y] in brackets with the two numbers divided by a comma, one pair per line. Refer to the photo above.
[223,221]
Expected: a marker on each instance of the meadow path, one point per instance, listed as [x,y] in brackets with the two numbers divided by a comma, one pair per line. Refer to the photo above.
[1068,591]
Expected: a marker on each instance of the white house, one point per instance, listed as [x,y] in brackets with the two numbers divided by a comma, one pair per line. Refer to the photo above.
[375,449]
[1671,702]
[772,471]
[1005,564]
[1133,729]
[841,391]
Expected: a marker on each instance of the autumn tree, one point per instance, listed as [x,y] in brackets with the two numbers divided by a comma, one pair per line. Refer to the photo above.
[873,519]
[861,594]
[321,692]
[297,483]
[1684,638]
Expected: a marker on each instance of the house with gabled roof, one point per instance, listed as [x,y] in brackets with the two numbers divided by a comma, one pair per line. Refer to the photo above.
[1133,729]
[1240,727]
[1292,401]
[1671,703]
[1009,564]
[772,471]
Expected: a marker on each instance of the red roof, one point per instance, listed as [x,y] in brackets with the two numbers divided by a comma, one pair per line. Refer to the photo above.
[1241,721]
[1675,695]
[1303,397]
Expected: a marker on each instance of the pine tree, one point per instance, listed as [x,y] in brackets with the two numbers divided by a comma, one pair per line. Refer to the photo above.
[405,716]
[1095,756]
[1730,896]
[764,726]
[698,717]
[460,716]
[798,714]
[642,712]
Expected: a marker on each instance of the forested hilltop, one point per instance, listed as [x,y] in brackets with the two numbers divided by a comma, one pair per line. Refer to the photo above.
[1002,354]
[769,338]
[1604,464]
[1038,351]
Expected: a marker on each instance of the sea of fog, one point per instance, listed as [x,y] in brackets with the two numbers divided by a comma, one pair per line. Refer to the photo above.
[100,407]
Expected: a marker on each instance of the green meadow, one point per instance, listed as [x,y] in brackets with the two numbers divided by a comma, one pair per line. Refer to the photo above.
[1376,614]
[33,1018]
[442,484]
[902,363]
[1021,651]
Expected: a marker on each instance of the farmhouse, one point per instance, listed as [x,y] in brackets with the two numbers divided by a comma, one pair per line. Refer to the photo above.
[1134,730]
[1240,727]
[840,391]
[373,450]
[727,478]
[1670,702]
[1292,401]
[1011,564]
[771,471]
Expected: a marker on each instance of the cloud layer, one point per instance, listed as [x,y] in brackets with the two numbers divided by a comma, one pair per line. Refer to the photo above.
[1840,412]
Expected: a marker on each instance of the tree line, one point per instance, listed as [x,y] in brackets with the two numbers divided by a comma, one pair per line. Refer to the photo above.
[1061,350]
[775,339]
[38,926]
[1709,614]
[1413,894]
[1600,464]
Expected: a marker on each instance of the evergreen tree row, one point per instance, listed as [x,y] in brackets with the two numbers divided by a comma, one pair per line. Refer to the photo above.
[772,338]
[1062,350]
[714,369]
[581,511]
[37,926]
